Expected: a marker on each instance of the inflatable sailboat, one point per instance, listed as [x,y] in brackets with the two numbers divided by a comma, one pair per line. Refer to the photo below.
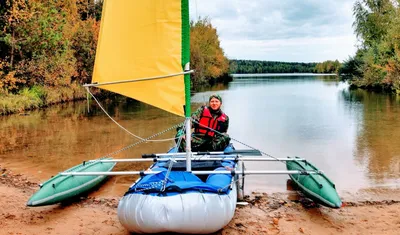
[143,53]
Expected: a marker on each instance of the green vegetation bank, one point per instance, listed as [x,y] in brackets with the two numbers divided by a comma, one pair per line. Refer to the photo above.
[47,51]
[376,64]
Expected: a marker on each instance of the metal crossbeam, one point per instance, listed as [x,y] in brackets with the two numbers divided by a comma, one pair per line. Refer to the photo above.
[290,172]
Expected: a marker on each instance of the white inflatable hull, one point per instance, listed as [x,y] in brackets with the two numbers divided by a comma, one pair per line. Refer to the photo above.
[195,212]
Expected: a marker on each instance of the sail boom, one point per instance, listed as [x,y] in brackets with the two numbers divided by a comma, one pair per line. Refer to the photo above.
[137,79]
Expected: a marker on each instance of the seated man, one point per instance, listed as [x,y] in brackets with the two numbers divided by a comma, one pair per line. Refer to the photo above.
[206,119]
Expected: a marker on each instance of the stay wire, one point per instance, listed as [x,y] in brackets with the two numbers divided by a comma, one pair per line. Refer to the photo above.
[172,160]
[162,183]
[231,183]
[240,142]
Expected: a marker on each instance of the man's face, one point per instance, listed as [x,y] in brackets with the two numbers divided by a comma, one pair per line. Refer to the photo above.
[215,104]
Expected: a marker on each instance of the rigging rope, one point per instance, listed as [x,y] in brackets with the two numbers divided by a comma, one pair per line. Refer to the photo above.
[123,128]
[172,160]
[142,141]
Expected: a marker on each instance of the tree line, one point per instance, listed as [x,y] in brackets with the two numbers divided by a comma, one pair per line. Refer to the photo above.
[256,66]
[376,64]
[48,47]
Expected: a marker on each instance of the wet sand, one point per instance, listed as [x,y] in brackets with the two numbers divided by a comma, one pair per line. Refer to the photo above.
[264,214]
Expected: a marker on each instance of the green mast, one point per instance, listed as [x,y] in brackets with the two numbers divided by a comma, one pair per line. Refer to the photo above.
[186,53]
[186,68]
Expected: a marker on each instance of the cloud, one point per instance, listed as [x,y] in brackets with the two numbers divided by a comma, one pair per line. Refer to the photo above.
[314,30]
[303,49]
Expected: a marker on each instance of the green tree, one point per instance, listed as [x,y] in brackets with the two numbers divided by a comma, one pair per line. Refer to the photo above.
[328,66]
[371,20]
[376,64]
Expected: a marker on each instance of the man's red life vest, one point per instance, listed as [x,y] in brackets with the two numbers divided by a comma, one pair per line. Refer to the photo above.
[206,120]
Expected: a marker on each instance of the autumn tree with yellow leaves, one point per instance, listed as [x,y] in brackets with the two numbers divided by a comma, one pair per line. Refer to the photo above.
[206,55]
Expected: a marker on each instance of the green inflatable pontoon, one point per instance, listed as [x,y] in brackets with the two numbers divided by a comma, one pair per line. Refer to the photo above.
[315,186]
[61,188]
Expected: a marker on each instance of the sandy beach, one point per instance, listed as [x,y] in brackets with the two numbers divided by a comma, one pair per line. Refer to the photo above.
[263,214]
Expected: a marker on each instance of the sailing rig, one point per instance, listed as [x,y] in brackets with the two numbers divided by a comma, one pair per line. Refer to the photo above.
[143,53]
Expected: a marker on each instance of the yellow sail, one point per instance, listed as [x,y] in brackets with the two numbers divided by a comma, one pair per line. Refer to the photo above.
[142,39]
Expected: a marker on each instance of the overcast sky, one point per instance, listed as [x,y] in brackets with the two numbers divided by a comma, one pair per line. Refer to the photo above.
[281,30]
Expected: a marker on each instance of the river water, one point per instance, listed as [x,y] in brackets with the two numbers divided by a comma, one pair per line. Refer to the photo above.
[351,135]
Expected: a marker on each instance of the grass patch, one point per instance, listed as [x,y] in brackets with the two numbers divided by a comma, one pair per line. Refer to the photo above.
[25,99]
[38,96]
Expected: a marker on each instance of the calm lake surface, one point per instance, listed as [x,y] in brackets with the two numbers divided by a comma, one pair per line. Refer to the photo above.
[353,136]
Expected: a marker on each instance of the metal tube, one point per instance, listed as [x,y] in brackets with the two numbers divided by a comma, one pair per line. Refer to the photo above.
[234,152]
[193,172]
[137,80]
[188,144]
[228,158]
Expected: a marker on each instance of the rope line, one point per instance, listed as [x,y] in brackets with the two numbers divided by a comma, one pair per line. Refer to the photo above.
[240,142]
[142,141]
[123,128]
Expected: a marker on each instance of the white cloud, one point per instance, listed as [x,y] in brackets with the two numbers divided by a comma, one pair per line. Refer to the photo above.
[303,49]
[285,30]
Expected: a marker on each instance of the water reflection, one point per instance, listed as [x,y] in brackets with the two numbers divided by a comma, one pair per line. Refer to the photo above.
[320,119]
[45,142]
[298,116]
[377,146]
